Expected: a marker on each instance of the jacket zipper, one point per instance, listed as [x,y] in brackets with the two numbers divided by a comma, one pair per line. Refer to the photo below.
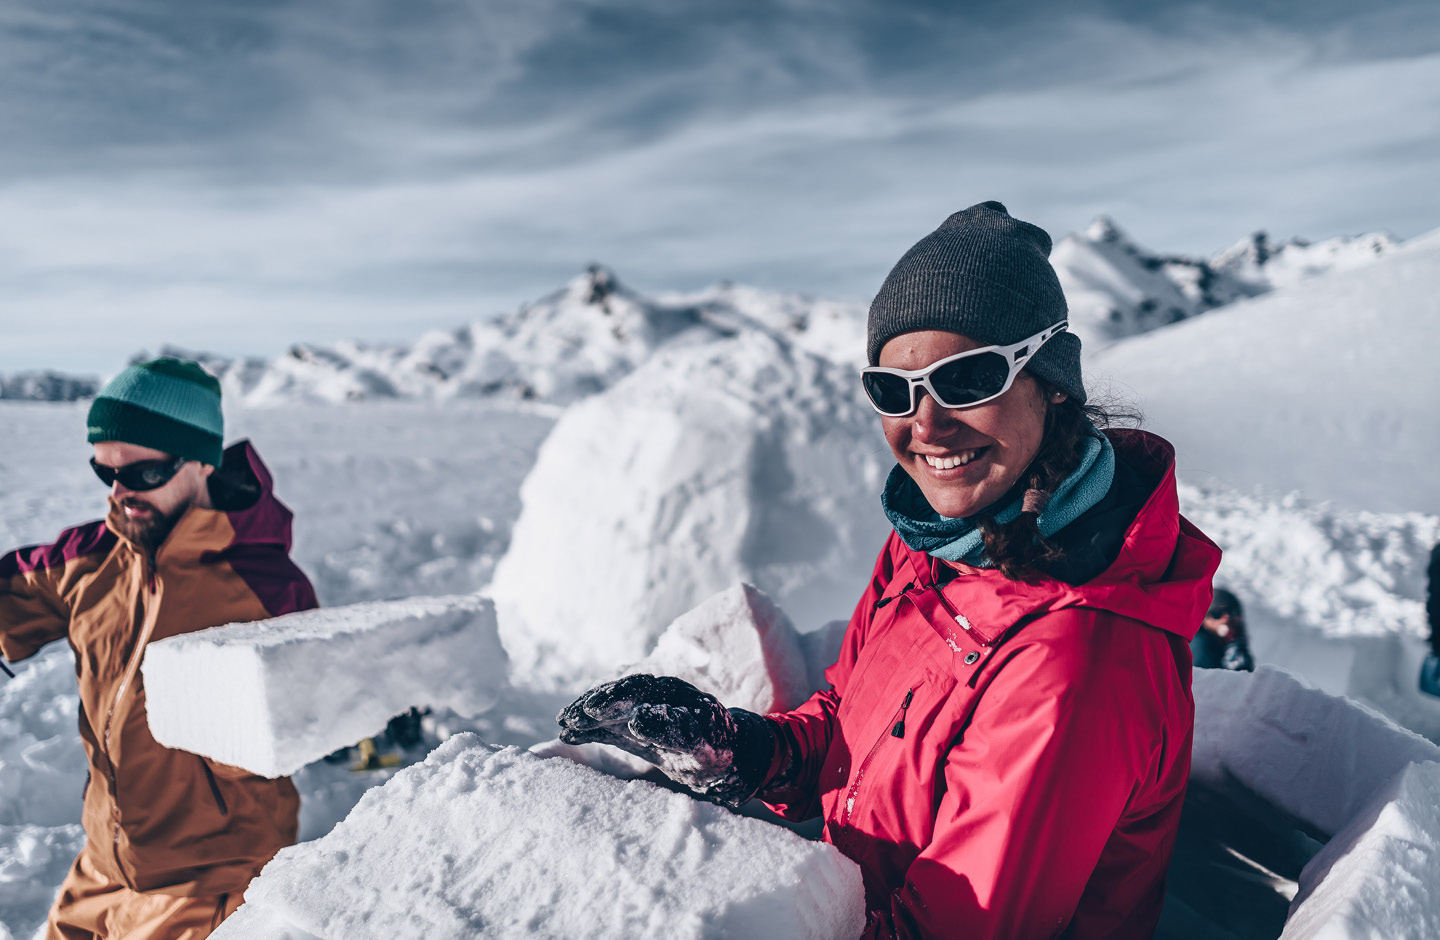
[898,731]
[214,788]
[147,627]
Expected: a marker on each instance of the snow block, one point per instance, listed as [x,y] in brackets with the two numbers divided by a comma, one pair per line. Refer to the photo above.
[1379,877]
[743,459]
[736,645]
[275,695]
[1317,757]
[485,842]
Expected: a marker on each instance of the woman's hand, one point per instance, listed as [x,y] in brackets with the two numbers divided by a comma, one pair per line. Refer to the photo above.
[721,754]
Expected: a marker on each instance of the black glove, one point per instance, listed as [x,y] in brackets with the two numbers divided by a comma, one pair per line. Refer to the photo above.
[721,754]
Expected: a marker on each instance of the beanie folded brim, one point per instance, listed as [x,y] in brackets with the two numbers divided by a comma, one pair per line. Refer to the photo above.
[111,419]
[1058,364]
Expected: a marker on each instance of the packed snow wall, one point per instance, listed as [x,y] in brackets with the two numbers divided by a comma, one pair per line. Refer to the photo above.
[484,842]
[761,463]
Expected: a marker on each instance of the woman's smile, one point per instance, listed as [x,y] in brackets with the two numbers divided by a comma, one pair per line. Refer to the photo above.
[964,458]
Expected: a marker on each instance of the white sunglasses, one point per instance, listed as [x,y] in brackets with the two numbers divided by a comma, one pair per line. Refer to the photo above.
[963,380]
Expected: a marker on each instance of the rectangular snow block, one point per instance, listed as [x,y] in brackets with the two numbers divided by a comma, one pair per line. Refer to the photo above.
[486,842]
[1318,757]
[1379,877]
[274,695]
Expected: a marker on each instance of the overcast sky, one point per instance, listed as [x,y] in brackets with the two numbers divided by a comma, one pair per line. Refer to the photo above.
[240,176]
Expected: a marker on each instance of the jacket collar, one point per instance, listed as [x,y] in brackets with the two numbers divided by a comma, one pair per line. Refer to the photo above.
[1161,576]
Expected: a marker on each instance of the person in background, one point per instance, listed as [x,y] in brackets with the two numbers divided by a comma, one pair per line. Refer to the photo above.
[1430,669]
[1006,746]
[194,538]
[1222,642]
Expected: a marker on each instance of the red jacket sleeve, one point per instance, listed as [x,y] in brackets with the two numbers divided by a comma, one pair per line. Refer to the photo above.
[803,735]
[1055,752]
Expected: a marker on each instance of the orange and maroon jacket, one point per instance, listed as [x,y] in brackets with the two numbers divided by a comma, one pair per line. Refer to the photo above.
[158,819]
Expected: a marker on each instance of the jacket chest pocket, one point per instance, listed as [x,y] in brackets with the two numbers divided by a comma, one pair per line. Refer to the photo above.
[891,789]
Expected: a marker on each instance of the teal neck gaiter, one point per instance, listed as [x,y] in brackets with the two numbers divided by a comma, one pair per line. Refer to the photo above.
[925,530]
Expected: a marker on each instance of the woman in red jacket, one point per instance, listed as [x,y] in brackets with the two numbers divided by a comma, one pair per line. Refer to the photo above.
[1006,744]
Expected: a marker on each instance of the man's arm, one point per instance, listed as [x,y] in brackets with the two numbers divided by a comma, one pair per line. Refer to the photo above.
[33,610]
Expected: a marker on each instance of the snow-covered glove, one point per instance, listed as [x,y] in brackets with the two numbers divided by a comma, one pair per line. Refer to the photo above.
[721,754]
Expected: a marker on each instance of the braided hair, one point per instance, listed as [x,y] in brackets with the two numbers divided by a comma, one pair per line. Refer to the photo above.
[1016,547]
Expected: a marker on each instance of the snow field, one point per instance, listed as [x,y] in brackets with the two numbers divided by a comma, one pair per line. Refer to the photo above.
[275,695]
[484,842]
[42,776]
[760,464]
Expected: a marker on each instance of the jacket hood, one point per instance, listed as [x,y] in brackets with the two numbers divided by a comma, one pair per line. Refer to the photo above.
[246,511]
[1161,575]
[243,489]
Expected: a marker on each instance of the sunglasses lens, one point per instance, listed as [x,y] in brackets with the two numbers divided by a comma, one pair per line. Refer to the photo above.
[889,393]
[106,474]
[969,380]
[149,475]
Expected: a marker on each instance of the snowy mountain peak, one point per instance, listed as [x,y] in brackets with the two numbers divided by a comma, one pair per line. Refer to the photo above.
[1104,229]
[1259,261]
[563,347]
[599,283]
[1117,289]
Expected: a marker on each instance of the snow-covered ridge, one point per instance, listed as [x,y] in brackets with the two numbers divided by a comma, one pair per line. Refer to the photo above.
[1326,387]
[1117,289]
[584,337]
[559,349]
[47,385]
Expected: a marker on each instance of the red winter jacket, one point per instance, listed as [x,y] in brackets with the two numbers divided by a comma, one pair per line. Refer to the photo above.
[1008,759]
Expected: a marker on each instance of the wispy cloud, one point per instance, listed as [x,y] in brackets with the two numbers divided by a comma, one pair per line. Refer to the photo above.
[256,175]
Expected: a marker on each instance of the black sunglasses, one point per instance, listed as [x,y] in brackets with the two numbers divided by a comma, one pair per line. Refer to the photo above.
[141,475]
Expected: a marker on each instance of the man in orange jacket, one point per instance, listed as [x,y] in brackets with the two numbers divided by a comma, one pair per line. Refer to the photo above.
[195,538]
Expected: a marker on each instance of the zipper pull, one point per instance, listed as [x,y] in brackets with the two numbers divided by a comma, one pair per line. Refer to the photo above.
[899,730]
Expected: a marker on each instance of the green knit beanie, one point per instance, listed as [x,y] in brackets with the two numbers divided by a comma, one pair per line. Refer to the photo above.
[166,404]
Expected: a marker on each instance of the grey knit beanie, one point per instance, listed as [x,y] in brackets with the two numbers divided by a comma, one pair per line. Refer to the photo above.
[987,276]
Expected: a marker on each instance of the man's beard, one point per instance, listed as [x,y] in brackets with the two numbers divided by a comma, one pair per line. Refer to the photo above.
[149,533]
